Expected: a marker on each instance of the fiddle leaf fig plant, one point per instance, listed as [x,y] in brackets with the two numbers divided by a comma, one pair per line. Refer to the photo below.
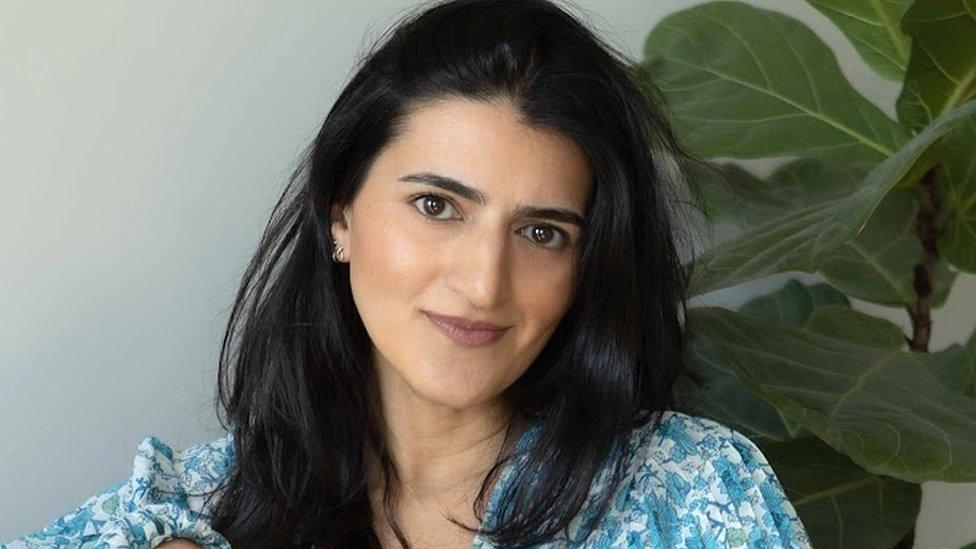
[852,412]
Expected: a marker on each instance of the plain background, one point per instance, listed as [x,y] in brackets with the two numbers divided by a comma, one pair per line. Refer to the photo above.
[142,146]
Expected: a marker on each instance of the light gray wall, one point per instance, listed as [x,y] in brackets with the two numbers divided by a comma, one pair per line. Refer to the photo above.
[142,146]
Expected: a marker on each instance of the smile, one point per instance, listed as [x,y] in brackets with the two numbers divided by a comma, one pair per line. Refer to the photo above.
[473,338]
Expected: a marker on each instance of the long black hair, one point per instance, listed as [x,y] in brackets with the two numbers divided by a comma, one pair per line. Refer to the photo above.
[295,380]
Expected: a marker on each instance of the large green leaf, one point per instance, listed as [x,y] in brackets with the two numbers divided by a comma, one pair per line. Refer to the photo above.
[803,240]
[879,264]
[885,409]
[839,503]
[721,396]
[874,29]
[952,366]
[856,327]
[942,69]
[745,82]
[793,304]
[957,191]
[728,193]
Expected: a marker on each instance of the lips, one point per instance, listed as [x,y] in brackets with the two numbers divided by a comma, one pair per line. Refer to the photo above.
[465,323]
[467,332]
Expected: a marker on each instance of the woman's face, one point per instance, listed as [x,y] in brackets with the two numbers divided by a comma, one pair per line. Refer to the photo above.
[409,253]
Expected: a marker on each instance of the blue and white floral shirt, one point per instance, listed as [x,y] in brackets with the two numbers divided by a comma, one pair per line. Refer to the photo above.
[693,482]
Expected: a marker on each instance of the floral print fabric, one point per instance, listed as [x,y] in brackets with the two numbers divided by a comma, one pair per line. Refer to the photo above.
[155,503]
[692,482]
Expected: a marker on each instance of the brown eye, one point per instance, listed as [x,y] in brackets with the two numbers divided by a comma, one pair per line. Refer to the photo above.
[544,234]
[432,205]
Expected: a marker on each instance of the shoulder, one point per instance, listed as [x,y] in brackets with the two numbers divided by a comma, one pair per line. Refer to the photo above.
[687,442]
[693,445]
[168,494]
[193,471]
[676,456]
[693,478]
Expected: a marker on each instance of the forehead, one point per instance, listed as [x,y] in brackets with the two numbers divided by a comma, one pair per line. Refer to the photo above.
[487,146]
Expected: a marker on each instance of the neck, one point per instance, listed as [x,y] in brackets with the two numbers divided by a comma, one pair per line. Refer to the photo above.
[438,450]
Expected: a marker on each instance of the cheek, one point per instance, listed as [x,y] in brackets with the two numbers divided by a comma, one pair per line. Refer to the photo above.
[543,296]
[544,299]
[548,293]
[387,271]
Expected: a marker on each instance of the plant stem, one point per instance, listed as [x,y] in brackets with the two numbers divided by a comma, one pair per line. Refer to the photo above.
[928,230]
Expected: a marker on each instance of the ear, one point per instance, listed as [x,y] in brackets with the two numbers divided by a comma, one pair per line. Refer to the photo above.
[341,223]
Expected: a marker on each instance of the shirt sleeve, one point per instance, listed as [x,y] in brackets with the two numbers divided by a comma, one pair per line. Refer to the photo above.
[745,505]
[165,497]
[696,482]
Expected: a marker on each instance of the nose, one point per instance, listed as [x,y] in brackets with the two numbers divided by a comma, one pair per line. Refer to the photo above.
[480,268]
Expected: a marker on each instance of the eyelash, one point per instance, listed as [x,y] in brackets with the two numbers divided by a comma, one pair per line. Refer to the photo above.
[560,232]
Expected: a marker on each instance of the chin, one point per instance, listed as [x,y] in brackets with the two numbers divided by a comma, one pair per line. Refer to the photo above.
[452,393]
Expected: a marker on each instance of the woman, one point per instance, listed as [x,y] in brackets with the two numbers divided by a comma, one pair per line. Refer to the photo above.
[461,327]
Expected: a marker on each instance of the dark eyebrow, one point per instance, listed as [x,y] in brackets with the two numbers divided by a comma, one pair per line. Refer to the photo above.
[478,197]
